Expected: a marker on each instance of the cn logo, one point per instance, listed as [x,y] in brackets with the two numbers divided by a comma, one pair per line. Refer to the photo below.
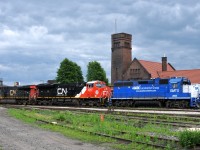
[62,91]
[12,92]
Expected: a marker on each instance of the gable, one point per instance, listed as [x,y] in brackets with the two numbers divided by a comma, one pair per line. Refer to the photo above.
[136,71]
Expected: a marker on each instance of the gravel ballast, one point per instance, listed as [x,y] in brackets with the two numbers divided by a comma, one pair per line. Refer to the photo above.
[16,135]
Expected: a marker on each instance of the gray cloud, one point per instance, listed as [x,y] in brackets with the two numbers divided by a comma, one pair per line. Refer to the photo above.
[35,36]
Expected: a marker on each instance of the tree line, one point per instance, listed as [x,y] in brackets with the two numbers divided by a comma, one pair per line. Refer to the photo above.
[70,72]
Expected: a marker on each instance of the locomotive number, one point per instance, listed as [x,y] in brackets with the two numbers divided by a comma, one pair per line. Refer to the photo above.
[174,90]
[62,91]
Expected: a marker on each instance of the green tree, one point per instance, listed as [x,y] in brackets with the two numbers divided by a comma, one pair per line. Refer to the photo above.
[69,72]
[96,72]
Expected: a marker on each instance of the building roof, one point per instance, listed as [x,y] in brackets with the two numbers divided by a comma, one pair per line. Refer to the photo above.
[193,75]
[155,67]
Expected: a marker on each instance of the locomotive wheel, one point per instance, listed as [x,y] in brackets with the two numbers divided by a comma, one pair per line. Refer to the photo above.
[129,103]
[161,104]
[19,102]
[182,104]
[24,102]
[123,104]
[91,103]
[83,103]
[50,103]
[95,103]
[98,104]
[76,103]
[114,103]
[133,104]
[168,104]
[186,104]
[172,104]
[117,104]
[33,102]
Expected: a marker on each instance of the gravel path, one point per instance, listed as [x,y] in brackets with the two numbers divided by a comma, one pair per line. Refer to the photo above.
[15,135]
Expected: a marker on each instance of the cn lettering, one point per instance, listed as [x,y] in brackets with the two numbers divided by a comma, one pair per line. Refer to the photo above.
[62,91]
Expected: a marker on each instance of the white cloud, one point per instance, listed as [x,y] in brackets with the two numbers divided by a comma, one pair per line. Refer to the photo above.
[10,33]
[38,31]
[5,68]
[35,38]
[190,29]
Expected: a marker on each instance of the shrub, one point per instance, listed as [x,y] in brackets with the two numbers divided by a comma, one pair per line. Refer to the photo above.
[60,117]
[189,138]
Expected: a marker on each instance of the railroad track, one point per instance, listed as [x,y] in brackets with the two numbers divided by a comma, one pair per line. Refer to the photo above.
[152,120]
[124,116]
[120,108]
[145,121]
[166,122]
[157,109]
[119,139]
[122,111]
[167,112]
[130,115]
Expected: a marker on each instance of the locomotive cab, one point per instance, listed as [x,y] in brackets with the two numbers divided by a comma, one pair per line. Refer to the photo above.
[95,89]
[95,93]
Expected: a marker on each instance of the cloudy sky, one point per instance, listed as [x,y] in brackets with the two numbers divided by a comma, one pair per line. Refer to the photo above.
[36,35]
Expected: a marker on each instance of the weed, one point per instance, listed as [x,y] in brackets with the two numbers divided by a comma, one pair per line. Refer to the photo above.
[189,139]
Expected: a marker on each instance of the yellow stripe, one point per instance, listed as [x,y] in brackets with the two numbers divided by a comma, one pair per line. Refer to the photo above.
[1,97]
[67,97]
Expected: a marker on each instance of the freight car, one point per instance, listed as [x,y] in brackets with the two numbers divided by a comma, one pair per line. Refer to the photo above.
[171,92]
[7,94]
[93,93]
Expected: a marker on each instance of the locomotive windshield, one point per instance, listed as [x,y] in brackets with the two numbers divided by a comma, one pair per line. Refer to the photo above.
[100,85]
[186,82]
[90,85]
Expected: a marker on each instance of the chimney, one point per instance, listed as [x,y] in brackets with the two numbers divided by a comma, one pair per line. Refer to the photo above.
[164,63]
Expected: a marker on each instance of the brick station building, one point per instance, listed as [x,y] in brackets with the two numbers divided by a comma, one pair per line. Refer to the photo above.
[123,67]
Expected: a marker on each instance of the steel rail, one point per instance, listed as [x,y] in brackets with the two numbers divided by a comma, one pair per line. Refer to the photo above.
[127,141]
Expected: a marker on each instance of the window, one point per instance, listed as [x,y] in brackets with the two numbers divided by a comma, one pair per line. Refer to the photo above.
[163,81]
[186,82]
[117,44]
[136,70]
[142,82]
[131,71]
[127,44]
[128,83]
[98,85]
[90,85]
[120,84]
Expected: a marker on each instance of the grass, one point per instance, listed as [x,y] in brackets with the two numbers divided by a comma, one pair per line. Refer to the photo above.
[189,139]
[93,123]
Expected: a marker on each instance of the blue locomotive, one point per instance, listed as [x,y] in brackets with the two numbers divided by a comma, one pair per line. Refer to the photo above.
[169,92]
